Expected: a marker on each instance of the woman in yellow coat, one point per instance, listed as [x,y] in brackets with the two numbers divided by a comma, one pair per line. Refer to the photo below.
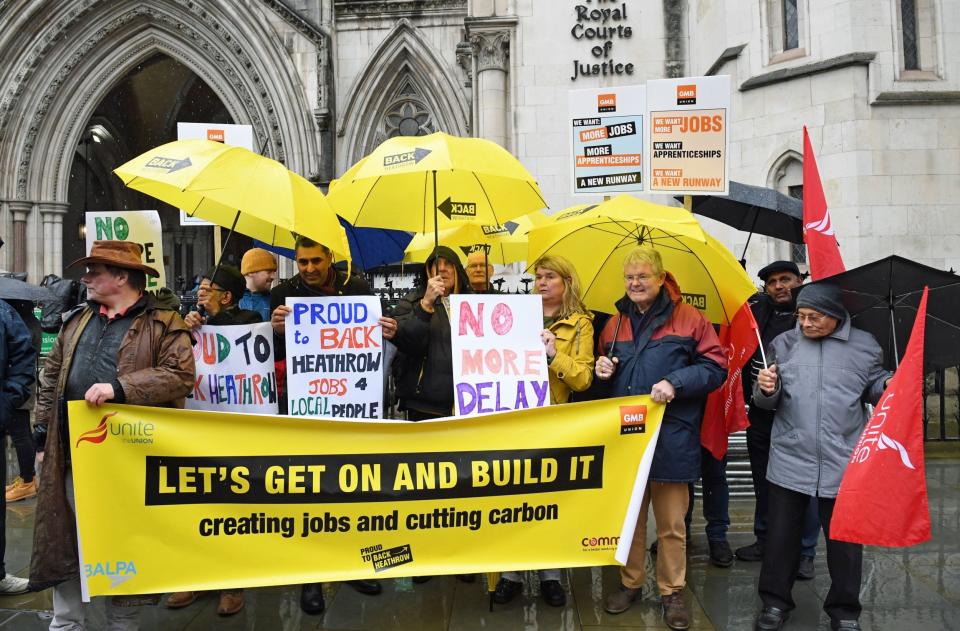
[568,341]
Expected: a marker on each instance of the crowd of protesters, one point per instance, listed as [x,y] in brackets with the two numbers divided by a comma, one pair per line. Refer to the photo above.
[126,345]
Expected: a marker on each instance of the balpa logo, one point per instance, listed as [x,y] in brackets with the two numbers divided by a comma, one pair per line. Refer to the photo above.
[216,135]
[134,432]
[687,94]
[599,543]
[117,571]
[633,419]
[606,102]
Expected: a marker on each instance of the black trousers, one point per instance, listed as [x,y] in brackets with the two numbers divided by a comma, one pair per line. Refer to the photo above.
[3,504]
[19,430]
[782,556]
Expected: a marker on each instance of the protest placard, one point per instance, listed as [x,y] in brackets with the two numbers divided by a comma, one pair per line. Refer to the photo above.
[688,141]
[607,139]
[499,363]
[376,499]
[235,370]
[335,357]
[139,226]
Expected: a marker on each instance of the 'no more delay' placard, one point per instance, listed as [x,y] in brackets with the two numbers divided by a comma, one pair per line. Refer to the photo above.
[499,363]
[335,357]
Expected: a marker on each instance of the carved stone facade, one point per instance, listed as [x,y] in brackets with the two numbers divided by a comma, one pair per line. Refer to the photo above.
[322,82]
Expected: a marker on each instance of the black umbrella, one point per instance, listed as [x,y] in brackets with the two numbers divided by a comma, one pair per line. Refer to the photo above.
[13,289]
[754,209]
[883,296]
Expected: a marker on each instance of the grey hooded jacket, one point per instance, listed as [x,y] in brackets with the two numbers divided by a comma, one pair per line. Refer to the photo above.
[822,387]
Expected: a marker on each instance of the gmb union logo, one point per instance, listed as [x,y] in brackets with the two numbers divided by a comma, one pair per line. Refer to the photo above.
[117,571]
[633,419]
[133,432]
[599,543]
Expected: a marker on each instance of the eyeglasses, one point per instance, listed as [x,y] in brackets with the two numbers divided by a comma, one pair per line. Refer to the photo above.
[813,318]
[476,266]
[209,289]
[638,278]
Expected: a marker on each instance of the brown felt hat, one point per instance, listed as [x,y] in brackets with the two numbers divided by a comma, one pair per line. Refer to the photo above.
[124,254]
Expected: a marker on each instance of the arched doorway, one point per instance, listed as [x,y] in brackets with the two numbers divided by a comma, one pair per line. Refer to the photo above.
[141,112]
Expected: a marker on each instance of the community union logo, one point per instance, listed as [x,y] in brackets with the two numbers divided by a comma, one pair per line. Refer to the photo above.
[592,544]
[96,435]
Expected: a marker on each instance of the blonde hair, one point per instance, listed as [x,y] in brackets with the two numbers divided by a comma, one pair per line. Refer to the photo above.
[640,255]
[572,302]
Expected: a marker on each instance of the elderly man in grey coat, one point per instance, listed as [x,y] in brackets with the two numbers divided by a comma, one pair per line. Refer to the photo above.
[821,375]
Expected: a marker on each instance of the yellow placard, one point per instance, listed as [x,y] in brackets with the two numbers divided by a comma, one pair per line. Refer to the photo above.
[174,500]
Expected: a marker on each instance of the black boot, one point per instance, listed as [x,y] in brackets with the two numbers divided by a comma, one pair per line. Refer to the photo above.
[311,598]
[369,587]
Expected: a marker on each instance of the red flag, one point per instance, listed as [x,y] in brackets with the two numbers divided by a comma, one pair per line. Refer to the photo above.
[725,411]
[822,248]
[883,496]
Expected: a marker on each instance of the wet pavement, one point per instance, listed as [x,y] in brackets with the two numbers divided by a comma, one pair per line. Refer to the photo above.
[903,589]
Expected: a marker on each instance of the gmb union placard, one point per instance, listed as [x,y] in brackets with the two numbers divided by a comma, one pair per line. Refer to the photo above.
[607,139]
[688,139]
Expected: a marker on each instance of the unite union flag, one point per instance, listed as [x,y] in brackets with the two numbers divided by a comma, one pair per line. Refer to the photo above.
[883,496]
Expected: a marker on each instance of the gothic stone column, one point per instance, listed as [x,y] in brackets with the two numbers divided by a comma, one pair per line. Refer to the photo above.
[51,214]
[21,212]
[491,53]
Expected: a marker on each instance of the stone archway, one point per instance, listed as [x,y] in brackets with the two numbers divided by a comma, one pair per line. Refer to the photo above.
[67,55]
[404,80]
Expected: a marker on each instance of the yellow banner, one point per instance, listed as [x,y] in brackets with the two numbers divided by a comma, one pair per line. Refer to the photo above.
[173,500]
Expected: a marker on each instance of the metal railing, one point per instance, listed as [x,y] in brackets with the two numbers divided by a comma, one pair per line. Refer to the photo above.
[941,409]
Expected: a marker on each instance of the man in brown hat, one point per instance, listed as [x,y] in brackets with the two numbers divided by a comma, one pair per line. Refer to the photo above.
[121,347]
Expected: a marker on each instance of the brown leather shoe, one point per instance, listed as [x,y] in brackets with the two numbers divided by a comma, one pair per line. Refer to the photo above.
[675,612]
[620,600]
[181,599]
[230,603]
[21,490]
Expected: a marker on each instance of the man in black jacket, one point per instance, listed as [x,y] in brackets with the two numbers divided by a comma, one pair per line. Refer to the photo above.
[774,310]
[316,278]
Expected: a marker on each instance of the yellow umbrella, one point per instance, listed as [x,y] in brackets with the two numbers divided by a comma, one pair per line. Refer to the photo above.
[597,238]
[423,183]
[236,188]
[502,244]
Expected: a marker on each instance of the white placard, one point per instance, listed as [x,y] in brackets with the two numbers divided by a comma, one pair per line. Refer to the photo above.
[335,357]
[139,226]
[687,141]
[236,135]
[499,363]
[607,127]
[235,370]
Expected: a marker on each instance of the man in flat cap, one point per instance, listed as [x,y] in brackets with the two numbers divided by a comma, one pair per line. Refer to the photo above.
[121,347]
[220,290]
[774,310]
[820,376]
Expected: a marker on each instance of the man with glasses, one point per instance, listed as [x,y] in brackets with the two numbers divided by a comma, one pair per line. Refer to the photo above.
[479,272]
[658,345]
[819,378]
[774,312]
